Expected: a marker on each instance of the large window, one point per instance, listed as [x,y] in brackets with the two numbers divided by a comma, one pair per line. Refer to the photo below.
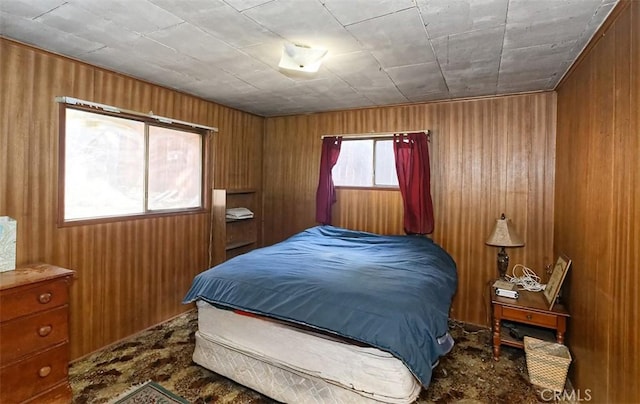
[366,163]
[114,166]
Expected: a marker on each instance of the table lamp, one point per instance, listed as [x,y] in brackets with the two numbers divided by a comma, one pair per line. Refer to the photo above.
[504,235]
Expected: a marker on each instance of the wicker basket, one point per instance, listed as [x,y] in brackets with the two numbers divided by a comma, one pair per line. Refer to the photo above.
[547,363]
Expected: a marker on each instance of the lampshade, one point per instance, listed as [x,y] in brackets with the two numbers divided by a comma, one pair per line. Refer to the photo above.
[504,234]
[301,58]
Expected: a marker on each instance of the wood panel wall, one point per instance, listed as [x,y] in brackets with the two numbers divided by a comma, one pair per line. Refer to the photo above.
[597,218]
[488,156]
[131,274]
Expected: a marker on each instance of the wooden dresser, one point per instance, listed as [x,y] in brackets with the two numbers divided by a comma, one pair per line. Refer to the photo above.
[34,335]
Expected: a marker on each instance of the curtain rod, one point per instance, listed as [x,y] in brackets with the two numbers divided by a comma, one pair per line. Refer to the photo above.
[109,108]
[378,134]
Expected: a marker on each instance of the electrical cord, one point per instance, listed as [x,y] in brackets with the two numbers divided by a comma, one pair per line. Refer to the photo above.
[459,324]
[528,279]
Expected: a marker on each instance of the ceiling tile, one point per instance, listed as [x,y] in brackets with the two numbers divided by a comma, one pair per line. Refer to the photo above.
[109,57]
[396,39]
[448,17]
[383,96]
[86,24]
[192,41]
[353,11]
[528,35]
[220,20]
[469,46]
[535,61]
[36,33]
[360,70]
[305,23]
[390,52]
[532,12]
[267,80]
[138,16]
[472,76]
[525,85]
[241,5]
[29,8]
[417,80]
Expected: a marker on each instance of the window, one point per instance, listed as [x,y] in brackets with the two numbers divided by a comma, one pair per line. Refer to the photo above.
[114,165]
[366,163]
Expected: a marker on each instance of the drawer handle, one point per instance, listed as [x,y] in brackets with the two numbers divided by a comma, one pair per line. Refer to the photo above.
[45,298]
[44,371]
[44,330]
[529,316]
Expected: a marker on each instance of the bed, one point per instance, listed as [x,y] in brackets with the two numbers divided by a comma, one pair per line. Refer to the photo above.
[328,315]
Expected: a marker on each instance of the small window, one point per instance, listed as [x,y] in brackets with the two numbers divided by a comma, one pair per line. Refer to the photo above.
[117,166]
[366,163]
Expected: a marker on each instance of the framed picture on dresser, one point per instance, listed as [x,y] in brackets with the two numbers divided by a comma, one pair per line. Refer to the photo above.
[558,273]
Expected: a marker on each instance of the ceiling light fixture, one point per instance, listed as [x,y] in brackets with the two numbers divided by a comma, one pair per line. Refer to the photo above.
[301,58]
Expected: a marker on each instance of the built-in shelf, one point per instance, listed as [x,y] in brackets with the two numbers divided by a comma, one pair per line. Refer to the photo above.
[239,191]
[237,220]
[238,244]
[525,330]
[231,237]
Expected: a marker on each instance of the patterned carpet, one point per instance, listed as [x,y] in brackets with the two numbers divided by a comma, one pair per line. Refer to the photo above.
[163,354]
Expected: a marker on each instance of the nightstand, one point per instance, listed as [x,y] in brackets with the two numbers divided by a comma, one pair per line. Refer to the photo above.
[532,312]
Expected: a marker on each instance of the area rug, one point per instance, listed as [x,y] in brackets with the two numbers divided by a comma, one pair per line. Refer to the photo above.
[163,354]
[149,393]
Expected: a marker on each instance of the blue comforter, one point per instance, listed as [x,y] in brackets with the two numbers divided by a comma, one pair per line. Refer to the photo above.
[391,292]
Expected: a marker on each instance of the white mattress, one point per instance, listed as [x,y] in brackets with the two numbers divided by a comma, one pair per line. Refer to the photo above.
[292,365]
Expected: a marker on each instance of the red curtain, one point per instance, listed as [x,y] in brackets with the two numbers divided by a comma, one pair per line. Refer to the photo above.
[414,178]
[326,193]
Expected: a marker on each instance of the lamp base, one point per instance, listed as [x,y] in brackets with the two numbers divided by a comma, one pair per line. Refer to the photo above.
[503,263]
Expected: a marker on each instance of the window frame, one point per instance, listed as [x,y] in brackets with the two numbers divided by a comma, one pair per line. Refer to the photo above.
[373,187]
[205,202]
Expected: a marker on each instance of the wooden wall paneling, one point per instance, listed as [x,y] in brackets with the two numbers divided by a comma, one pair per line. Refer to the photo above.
[373,211]
[217,254]
[290,175]
[541,204]
[568,192]
[599,176]
[474,179]
[574,232]
[625,202]
[452,155]
[238,155]
[238,163]
[629,230]
[222,145]
[122,91]
[597,206]
[129,275]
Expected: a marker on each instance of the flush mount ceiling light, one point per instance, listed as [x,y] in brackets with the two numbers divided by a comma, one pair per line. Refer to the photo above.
[301,58]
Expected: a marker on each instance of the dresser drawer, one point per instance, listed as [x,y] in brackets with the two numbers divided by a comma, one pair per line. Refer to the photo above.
[43,296]
[59,394]
[34,375]
[541,319]
[30,334]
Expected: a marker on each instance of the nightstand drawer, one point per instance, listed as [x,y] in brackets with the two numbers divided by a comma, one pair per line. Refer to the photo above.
[26,335]
[44,296]
[541,319]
